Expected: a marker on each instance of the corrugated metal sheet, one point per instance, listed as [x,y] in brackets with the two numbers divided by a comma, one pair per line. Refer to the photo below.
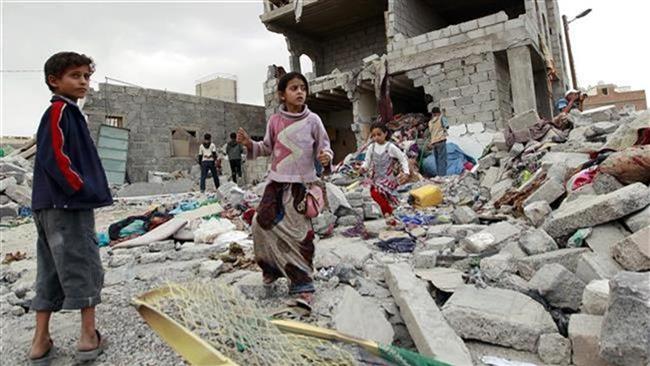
[113,148]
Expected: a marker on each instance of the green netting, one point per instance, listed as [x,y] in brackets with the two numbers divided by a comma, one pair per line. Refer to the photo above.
[239,329]
[236,327]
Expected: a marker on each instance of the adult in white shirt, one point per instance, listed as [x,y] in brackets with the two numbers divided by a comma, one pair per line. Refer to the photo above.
[207,159]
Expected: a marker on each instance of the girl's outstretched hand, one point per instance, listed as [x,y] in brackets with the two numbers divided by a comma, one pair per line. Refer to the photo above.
[324,158]
[244,139]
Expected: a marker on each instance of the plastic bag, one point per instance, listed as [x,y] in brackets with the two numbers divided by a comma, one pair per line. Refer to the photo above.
[230,237]
[211,229]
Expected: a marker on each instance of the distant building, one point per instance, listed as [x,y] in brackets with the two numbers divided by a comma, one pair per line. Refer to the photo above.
[622,97]
[218,86]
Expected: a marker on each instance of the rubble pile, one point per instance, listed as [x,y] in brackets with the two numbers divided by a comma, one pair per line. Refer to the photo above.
[16,175]
[536,254]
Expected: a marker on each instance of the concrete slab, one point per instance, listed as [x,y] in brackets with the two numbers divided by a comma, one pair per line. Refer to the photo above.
[444,279]
[558,286]
[491,237]
[566,257]
[362,318]
[633,252]
[639,220]
[590,211]
[549,191]
[584,332]
[498,316]
[537,241]
[592,266]
[430,331]
[595,298]
[625,337]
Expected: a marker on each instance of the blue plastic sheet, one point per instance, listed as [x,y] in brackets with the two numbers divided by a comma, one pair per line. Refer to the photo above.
[456,159]
[103,239]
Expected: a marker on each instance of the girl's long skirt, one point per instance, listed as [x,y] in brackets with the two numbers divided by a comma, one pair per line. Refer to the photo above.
[287,248]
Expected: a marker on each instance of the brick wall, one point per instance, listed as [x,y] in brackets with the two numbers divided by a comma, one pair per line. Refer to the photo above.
[415,17]
[468,89]
[347,50]
[150,115]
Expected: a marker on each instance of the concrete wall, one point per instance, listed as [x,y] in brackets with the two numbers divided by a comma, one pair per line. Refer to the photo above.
[151,115]
[218,88]
[415,17]
[346,50]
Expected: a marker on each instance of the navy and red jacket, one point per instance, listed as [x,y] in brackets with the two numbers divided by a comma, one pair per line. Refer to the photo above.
[67,171]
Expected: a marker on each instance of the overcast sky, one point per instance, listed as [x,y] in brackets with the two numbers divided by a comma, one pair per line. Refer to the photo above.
[170,45]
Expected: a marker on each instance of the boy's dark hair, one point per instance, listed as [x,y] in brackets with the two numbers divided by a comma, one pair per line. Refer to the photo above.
[286,78]
[435,110]
[233,135]
[207,136]
[58,63]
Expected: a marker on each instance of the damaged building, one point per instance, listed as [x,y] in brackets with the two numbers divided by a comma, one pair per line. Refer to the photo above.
[164,129]
[480,61]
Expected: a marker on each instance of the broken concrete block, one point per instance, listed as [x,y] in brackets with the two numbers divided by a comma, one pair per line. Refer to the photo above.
[6,182]
[335,197]
[514,249]
[604,237]
[118,260]
[639,220]
[537,212]
[604,183]
[210,268]
[499,142]
[444,279]
[625,336]
[147,258]
[569,159]
[9,210]
[332,251]
[584,332]
[161,246]
[554,349]
[633,252]
[499,189]
[321,224]
[496,266]
[537,241]
[362,318]
[430,331]
[510,281]
[595,298]
[593,266]
[4,199]
[590,211]
[491,237]
[439,244]
[461,231]
[252,286]
[566,257]
[490,177]
[498,316]
[464,215]
[521,123]
[20,194]
[516,149]
[197,251]
[425,259]
[558,286]
[550,191]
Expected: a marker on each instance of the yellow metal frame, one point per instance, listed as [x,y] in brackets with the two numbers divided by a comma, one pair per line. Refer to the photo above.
[196,351]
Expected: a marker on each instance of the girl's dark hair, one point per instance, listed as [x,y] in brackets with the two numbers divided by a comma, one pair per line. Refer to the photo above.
[286,78]
[58,63]
[381,126]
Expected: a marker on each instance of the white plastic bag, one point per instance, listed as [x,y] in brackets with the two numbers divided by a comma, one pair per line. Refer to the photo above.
[210,229]
[234,236]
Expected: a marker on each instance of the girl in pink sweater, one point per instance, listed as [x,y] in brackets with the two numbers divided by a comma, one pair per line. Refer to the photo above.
[282,233]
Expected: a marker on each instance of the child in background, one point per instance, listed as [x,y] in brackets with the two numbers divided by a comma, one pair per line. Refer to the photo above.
[381,156]
[208,161]
[282,234]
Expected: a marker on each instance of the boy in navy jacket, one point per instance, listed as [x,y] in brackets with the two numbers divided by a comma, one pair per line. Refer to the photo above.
[69,182]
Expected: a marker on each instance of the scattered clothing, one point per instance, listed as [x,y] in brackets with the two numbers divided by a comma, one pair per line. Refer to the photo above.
[397,245]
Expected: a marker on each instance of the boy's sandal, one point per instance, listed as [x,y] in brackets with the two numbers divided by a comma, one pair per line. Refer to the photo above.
[47,357]
[91,355]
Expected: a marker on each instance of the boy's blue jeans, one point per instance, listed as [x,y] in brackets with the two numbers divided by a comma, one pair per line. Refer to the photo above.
[208,165]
